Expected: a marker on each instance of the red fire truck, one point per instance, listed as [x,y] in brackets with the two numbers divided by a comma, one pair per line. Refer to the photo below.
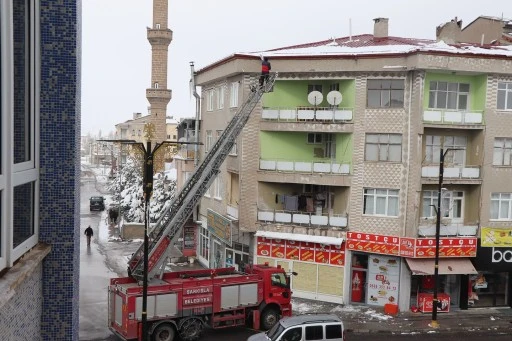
[183,303]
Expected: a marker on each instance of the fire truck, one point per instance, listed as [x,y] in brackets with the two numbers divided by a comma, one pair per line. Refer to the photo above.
[182,303]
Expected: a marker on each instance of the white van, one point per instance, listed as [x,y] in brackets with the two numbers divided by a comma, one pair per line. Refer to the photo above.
[310,327]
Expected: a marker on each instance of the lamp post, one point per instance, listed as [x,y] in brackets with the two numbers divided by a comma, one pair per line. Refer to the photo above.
[435,300]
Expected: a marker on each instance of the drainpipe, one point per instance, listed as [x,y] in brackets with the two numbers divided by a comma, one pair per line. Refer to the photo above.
[198,106]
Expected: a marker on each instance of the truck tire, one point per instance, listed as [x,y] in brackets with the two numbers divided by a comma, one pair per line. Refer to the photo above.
[191,329]
[164,332]
[269,318]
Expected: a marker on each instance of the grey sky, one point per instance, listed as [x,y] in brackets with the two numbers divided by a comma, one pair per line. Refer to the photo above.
[116,56]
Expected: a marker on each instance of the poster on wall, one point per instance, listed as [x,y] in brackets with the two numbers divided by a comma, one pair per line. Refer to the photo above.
[307,251]
[337,255]
[263,248]
[383,279]
[322,253]
[278,246]
[292,249]
[496,237]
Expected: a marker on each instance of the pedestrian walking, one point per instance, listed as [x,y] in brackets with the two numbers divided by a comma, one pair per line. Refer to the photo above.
[89,233]
[265,70]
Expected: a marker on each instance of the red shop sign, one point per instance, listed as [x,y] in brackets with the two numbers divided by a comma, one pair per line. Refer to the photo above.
[374,243]
[337,255]
[292,249]
[263,248]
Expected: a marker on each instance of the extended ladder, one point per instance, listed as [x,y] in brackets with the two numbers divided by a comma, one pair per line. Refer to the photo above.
[170,224]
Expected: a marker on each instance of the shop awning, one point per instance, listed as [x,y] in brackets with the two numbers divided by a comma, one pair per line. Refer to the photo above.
[447,266]
[300,237]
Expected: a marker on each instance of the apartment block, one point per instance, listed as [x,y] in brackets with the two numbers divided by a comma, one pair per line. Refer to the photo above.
[336,175]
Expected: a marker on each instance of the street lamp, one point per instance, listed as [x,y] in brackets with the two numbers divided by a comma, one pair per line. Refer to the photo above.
[435,300]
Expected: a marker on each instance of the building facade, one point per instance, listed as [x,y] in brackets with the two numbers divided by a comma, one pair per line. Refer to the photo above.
[336,174]
[39,169]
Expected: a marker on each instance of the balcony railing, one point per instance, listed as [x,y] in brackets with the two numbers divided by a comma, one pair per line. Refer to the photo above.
[448,230]
[439,116]
[452,172]
[304,166]
[308,114]
[232,211]
[303,218]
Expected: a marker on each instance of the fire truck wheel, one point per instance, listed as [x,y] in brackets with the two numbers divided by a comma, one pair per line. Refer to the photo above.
[191,329]
[164,332]
[269,318]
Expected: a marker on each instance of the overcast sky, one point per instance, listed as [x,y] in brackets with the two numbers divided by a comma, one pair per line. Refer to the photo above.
[116,56]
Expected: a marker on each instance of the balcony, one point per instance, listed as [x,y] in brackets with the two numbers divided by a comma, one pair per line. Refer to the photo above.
[309,167]
[452,174]
[303,219]
[308,114]
[451,117]
[448,229]
[232,211]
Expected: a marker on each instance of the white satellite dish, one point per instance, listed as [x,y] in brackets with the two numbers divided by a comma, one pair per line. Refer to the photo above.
[334,97]
[315,98]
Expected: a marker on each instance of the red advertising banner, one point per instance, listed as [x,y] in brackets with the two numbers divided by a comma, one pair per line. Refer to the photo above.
[307,251]
[337,255]
[322,252]
[374,243]
[263,248]
[278,250]
[448,247]
[292,249]
[407,247]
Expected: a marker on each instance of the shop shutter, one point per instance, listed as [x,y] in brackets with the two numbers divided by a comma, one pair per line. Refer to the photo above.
[306,279]
[330,280]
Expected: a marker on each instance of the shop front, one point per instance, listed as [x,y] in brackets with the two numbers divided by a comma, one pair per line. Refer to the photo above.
[318,260]
[492,285]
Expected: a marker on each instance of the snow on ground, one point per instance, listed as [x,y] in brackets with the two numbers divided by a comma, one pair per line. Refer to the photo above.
[312,307]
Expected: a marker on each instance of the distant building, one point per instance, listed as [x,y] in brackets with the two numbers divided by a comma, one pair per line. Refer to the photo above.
[483,30]
[337,169]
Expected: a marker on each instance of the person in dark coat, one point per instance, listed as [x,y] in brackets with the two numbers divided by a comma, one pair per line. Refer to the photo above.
[265,70]
[89,233]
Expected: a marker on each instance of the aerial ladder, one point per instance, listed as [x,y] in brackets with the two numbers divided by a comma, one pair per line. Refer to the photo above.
[170,224]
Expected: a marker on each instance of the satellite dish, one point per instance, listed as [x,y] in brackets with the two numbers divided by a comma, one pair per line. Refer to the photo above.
[315,97]
[334,97]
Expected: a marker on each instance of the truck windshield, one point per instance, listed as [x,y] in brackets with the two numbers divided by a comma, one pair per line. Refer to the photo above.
[275,331]
[279,279]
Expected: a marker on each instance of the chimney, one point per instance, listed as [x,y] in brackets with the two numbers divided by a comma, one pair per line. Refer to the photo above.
[449,32]
[380,28]
[137,115]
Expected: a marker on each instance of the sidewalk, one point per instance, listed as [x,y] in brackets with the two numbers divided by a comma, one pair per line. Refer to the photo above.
[365,319]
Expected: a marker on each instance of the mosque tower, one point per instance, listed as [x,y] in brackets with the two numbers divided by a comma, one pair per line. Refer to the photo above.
[159,36]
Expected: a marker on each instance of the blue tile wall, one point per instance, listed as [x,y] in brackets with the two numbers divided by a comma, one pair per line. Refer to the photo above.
[60,166]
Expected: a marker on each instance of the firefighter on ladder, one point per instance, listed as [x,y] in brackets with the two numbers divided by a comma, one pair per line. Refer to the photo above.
[265,70]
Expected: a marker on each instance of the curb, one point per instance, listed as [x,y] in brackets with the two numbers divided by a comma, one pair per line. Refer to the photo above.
[489,329]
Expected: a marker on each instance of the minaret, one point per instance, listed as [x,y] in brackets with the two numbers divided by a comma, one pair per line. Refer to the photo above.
[159,36]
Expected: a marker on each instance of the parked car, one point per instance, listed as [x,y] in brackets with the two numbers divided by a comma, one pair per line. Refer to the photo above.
[318,327]
[97,203]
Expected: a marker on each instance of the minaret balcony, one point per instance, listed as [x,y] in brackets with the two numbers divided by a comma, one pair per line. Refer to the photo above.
[159,36]
[158,95]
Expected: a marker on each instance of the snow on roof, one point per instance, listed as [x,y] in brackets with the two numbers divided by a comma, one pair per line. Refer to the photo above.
[300,237]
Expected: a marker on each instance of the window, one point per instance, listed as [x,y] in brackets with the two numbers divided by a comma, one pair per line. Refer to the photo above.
[292,334]
[217,188]
[433,146]
[444,95]
[504,96]
[314,333]
[19,126]
[209,141]
[209,100]
[314,87]
[220,97]
[156,85]
[219,133]
[451,205]
[381,202]
[333,331]
[385,93]
[334,87]
[204,242]
[157,26]
[233,99]
[502,151]
[233,150]
[383,147]
[314,138]
[501,204]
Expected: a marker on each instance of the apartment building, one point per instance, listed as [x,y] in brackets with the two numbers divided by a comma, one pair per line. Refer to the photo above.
[39,169]
[336,174]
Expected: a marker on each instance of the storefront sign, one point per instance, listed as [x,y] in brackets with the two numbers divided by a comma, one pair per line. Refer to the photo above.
[383,278]
[303,251]
[448,247]
[496,237]
[373,243]
[496,259]
[219,225]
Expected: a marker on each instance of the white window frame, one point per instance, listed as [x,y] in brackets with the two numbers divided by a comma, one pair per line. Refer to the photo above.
[372,195]
[234,151]
[220,97]
[233,95]
[384,146]
[503,203]
[209,141]
[436,102]
[15,174]
[155,85]
[448,203]
[209,99]
[203,240]
[502,153]
[433,144]
[505,90]
[217,188]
